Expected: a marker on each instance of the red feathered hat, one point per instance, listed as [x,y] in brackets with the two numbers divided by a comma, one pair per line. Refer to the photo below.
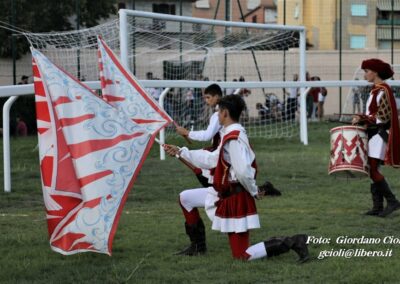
[383,69]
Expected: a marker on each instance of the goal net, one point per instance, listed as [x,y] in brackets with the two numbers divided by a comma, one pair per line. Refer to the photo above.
[171,51]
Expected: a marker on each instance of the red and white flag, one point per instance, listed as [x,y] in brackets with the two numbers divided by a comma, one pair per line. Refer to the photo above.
[121,89]
[90,155]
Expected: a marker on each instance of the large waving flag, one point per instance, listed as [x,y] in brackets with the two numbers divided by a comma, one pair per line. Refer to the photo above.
[121,89]
[90,154]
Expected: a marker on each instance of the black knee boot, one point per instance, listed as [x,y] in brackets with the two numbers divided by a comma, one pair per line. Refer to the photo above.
[392,203]
[377,201]
[197,236]
[278,245]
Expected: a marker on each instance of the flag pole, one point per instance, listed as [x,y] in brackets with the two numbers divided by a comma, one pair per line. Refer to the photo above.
[186,162]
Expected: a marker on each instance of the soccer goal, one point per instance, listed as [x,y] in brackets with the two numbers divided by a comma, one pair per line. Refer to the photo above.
[186,54]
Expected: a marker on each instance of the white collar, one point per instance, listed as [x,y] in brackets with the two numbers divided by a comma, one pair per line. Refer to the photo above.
[232,127]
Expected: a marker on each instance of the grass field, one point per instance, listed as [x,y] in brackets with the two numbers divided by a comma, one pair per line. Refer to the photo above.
[151,226]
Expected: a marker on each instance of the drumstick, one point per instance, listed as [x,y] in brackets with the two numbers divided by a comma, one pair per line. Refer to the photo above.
[186,138]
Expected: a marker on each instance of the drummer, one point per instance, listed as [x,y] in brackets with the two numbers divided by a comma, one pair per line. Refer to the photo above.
[382,124]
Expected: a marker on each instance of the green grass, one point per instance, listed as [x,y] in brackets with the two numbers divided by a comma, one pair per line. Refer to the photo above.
[151,226]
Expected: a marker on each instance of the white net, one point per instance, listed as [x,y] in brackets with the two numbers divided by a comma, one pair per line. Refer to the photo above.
[170,50]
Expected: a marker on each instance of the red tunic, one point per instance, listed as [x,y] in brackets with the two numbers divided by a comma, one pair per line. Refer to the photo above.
[235,201]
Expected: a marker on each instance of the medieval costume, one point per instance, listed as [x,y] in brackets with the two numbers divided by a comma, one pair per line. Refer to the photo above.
[230,202]
[381,120]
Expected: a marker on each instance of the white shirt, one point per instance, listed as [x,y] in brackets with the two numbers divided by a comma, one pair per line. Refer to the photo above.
[321,98]
[376,145]
[293,93]
[378,98]
[236,152]
[208,134]
[154,92]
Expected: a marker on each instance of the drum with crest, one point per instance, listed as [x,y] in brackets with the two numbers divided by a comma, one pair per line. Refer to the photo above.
[349,152]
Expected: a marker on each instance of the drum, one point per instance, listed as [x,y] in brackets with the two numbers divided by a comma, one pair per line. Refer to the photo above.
[349,152]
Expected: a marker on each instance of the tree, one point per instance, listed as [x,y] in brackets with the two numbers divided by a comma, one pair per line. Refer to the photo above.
[49,15]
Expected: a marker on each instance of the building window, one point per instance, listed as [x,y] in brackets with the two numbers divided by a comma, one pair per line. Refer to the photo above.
[384,44]
[296,12]
[254,19]
[164,9]
[270,16]
[252,4]
[357,41]
[358,10]
[202,4]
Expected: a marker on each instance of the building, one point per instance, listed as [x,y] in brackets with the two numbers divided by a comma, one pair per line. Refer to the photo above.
[366,24]
[177,7]
[255,11]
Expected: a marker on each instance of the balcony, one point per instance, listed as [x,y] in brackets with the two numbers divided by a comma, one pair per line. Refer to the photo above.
[380,22]
[386,33]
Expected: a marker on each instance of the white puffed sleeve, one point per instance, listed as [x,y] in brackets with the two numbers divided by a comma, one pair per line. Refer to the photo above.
[201,158]
[208,134]
[241,160]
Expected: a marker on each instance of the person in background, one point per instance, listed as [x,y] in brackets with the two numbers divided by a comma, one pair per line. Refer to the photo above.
[230,91]
[322,93]
[154,92]
[24,80]
[291,102]
[243,92]
[263,112]
[212,95]
[356,98]
[22,129]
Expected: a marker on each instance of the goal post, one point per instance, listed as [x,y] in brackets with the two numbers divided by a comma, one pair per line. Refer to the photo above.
[183,53]
[125,31]
[176,51]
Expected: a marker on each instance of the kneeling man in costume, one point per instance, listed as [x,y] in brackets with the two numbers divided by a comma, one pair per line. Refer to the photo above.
[230,202]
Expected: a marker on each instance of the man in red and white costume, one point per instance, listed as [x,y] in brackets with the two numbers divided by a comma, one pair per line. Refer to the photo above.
[212,95]
[382,124]
[230,202]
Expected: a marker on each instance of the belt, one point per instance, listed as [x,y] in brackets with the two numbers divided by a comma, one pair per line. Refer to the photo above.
[234,188]
[379,129]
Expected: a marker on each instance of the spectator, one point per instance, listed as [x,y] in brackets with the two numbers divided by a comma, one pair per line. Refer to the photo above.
[291,102]
[230,91]
[309,99]
[149,76]
[22,129]
[313,97]
[155,93]
[356,98]
[263,112]
[243,92]
[24,80]
[274,105]
[322,93]
[189,102]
